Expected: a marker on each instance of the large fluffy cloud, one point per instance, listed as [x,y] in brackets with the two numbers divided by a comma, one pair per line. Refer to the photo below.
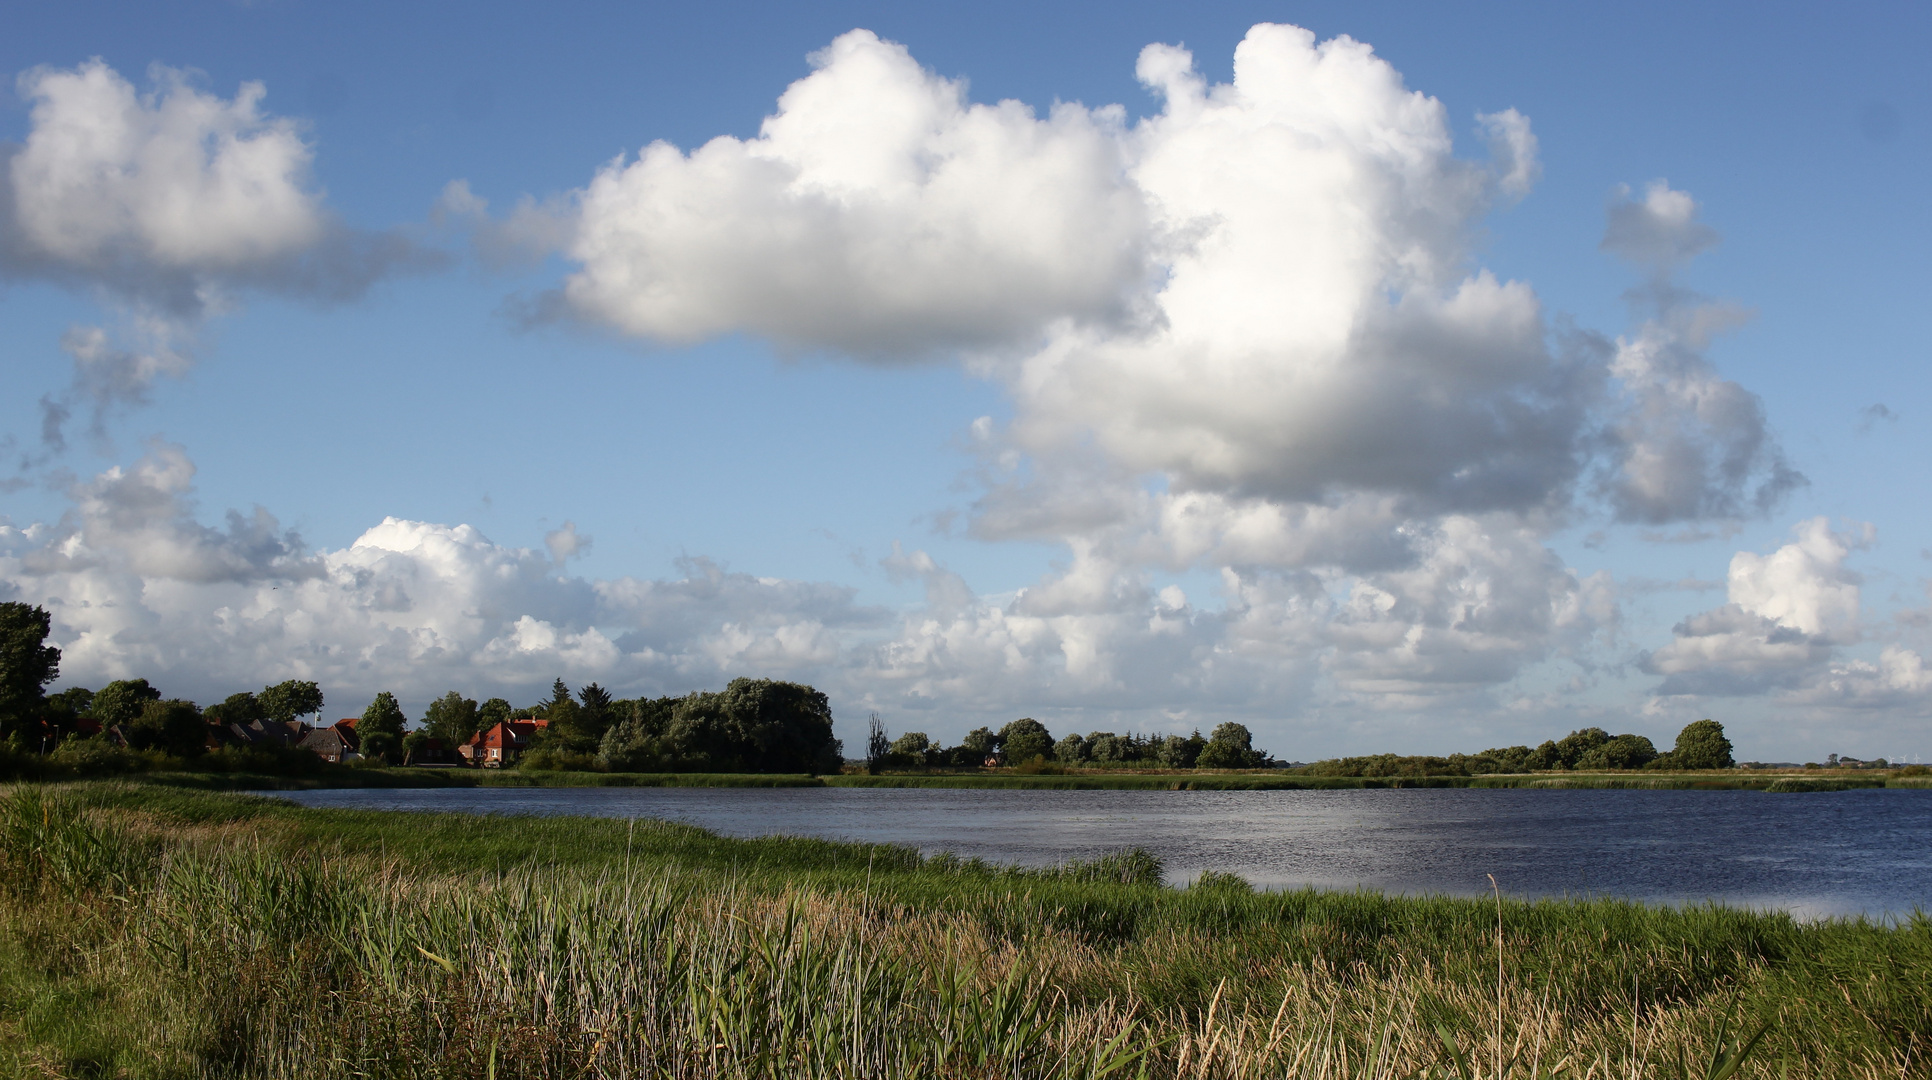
[1246,323]
[1790,615]
[169,197]
[167,203]
[877,212]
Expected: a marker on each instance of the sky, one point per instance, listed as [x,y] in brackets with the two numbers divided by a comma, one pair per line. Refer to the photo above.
[1384,377]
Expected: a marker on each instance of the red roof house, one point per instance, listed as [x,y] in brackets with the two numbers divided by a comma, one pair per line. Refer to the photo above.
[502,743]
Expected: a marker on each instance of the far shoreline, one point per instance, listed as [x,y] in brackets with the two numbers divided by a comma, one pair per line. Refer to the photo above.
[406,777]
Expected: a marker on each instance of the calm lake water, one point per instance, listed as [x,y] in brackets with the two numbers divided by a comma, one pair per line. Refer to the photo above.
[1835,853]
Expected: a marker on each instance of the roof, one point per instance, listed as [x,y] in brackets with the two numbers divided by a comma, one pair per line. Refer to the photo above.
[322,737]
[508,734]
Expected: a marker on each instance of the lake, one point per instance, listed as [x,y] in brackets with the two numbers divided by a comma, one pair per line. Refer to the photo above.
[1863,852]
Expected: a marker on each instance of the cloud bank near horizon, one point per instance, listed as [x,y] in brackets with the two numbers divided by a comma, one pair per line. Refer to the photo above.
[138,586]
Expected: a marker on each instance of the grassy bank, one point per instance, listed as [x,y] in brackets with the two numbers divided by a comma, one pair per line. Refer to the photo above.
[149,931]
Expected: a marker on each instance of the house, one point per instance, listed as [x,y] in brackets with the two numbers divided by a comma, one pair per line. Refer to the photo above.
[502,743]
[336,743]
[431,751]
[268,733]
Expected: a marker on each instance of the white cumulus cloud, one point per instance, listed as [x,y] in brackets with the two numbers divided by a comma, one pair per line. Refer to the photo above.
[1258,301]
[170,196]
[1788,613]
[877,213]
[167,203]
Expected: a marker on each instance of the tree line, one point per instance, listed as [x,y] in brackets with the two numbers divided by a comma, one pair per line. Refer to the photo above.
[752,725]
[1700,745]
[1026,741]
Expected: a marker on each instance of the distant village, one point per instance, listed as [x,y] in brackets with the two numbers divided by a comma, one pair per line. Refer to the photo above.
[500,745]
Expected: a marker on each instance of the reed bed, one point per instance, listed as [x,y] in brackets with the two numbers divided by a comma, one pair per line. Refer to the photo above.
[196,935]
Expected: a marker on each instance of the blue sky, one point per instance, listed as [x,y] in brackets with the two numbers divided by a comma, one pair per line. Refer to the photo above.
[744,483]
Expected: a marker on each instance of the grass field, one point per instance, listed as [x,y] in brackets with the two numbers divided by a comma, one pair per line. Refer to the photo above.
[149,931]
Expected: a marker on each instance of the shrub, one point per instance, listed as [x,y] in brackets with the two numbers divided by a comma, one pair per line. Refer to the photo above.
[96,757]
[172,727]
[272,760]
[1222,882]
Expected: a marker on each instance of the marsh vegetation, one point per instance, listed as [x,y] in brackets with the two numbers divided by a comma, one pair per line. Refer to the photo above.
[150,932]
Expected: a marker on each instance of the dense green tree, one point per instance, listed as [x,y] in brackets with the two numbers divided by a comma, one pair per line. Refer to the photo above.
[1025,739]
[913,744]
[1702,745]
[380,731]
[596,703]
[1230,747]
[1572,748]
[78,700]
[491,713]
[287,700]
[566,729]
[635,742]
[577,726]
[120,701]
[908,751]
[767,727]
[243,708]
[27,665]
[1105,747]
[980,741]
[1499,759]
[414,743]
[1070,750]
[1181,753]
[452,718]
[1620,752]
[752,726]
[64,710]
[172,727]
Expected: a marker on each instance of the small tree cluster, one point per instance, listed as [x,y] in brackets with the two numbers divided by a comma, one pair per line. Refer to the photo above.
[1026,741]
[1700,745]
[752,725]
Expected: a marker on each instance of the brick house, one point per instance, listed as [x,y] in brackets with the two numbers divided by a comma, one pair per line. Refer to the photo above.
[335,744]
[503,743]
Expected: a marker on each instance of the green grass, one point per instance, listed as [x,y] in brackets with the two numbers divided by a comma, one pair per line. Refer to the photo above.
[157,931]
